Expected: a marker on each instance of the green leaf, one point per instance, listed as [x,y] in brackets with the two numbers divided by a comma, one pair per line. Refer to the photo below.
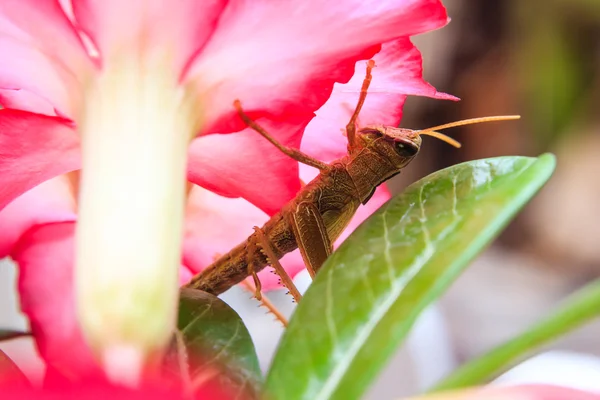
[212,343]
[371,290]
[8,334]
[578,309]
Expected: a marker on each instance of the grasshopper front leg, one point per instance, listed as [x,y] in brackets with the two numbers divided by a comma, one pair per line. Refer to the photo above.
[291,152]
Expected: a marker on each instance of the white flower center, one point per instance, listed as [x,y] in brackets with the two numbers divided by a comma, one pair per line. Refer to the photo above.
[135,128]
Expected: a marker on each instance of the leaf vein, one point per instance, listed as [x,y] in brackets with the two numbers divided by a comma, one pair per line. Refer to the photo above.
[329,308]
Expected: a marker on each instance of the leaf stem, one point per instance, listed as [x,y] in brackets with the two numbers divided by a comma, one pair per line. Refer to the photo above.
[575,311]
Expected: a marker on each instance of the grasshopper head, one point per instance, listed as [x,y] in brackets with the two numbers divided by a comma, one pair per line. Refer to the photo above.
[399,145]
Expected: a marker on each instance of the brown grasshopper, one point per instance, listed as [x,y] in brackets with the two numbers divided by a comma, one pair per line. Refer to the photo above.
[316,217]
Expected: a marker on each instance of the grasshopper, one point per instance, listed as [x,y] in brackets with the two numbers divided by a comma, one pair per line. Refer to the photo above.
[318,214]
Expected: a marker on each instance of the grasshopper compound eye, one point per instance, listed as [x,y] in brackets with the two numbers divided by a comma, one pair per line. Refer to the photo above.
[406,148]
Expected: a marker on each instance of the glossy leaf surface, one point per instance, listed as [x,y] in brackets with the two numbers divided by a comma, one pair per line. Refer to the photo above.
[212,345]
[371,290]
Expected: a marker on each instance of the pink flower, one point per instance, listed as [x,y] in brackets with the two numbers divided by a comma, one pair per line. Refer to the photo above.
[520,392]
[119,93]
[97,390]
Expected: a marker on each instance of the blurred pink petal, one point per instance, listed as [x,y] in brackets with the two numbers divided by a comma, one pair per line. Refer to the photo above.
[246,165]
[524,392]
[33,149]
[21,99]
[48,203]
[96,388]
[155,28]
[43,53]
[45,258]
[214,225]
[10,374]
[282,58]
[187,29]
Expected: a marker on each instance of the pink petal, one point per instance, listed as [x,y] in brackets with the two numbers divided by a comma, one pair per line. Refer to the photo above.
[213,388]
[50,202]
[185,274]
[10,374]
[37,232]
[398,73]
[21,99]
[45,259]
[176,29]
[543,392]
[33,149]
[214,225]
[522,392]
[47,57]
[244,164]
[282,58]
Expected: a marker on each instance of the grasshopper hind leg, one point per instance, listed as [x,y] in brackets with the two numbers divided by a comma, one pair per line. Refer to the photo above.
[252,270]
[274,261]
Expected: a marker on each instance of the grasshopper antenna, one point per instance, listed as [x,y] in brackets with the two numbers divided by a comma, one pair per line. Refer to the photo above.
[470,121]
